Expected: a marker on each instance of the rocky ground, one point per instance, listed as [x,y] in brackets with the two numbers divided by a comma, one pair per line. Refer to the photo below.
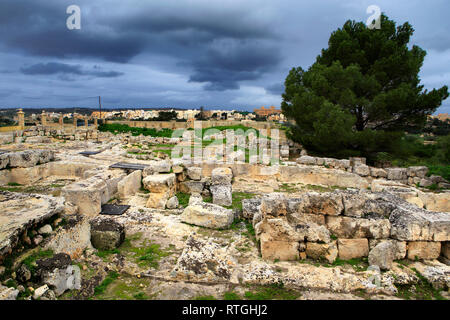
[53,249]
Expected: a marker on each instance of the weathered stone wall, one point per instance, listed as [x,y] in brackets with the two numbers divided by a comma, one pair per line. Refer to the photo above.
[416,175]
[347,224]
[64,169]
[89,194]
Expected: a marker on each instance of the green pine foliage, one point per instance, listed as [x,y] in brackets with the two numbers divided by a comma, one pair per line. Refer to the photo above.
[362,93]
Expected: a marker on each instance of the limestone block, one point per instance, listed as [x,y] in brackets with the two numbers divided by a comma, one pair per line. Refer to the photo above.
[353,248]
[423,250]
[222,194]
[194,173]
[347,227]
[221,176]
[208,215]
[159,183]
[129,185]
[322,251]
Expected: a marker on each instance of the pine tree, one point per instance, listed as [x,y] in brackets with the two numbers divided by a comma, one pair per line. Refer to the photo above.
[362,92]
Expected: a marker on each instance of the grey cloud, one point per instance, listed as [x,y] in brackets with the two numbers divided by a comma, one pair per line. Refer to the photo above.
[229,62]
[276,88]
[236,50]
[66,69]
[188,35]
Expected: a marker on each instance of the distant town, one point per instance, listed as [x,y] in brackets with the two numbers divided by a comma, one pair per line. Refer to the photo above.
[9,116]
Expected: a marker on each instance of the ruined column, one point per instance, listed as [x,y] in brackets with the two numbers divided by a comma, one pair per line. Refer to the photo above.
[61,121]
[21,119]
[43,118]
[86,122]
[95,122]
[74,120]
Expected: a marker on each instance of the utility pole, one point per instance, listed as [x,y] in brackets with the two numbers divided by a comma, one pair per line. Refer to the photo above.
[100,106]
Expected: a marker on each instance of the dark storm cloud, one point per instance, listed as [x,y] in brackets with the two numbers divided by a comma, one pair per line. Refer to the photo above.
[39,29]
[187,53]
[65,44]
[276,88]
[63,68]
[229,62]
[189,38]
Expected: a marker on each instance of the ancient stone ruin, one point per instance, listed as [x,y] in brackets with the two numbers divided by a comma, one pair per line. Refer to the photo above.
[324,228]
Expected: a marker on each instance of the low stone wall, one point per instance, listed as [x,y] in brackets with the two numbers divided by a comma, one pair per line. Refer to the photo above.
[89,194]
[347,224]
[64,169]
[25,159]
[44,134]
[287,173]
[416,175]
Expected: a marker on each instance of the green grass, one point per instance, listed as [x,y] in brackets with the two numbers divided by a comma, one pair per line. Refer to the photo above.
[207,199]
[140,296]
[105,253]
[322,189]
[11,189]
[162,145]
[287,187]
[14,184]
[146,256]
[183,199]
[275,291]
[413,152]
[422,290]
[101,288]
[230,295]
[31,259]
[237,198]
[250,231]
[135,131]
[205,298]
[359,264]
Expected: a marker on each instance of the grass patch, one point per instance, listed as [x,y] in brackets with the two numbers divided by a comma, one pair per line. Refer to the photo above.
[321,188]
[275,291]
[287,187]
[183,199]
[11,189]
[231,296]
[207,199]
[135,131]
[101,288]
[30,261]
[105,253]
[422,290]
[250,231]
[237,198]
[140,296]
[359,264]
[205,298]
[146,256]
[162,145]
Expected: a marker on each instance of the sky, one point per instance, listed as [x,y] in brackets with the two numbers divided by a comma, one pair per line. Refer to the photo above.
[232,54]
